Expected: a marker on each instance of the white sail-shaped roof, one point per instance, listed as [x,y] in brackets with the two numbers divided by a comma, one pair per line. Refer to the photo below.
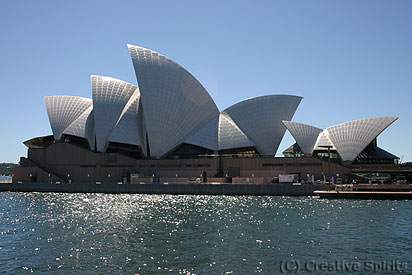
[206,135]
[351,138]
[129,129]
[305,135]
[323,142]
[83,127]
[220,133]
[64,110]
[260,118]
[230,135]
[110,101]
[174,102]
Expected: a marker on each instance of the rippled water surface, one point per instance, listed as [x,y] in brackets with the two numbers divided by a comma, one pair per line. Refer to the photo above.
[159,234]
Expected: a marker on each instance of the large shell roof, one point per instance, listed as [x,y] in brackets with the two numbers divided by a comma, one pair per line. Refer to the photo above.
[169,107]
[174,102]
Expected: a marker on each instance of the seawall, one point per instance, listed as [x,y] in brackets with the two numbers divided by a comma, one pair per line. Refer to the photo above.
[176,189]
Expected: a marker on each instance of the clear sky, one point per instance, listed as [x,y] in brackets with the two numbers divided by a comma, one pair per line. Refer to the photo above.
[348,59]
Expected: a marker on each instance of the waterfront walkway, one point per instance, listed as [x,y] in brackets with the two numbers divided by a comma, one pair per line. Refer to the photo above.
[176,189]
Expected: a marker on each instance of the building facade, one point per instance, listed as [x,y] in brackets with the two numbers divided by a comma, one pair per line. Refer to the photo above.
[169,127]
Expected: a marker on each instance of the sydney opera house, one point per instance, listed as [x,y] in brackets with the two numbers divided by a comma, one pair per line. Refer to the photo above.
[169,127]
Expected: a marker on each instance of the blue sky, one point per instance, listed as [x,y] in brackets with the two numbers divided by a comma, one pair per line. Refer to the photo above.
[348,59]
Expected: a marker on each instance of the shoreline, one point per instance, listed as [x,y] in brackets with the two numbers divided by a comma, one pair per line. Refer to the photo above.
[171,188]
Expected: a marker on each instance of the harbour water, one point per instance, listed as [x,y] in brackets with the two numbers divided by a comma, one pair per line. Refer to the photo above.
[170,234]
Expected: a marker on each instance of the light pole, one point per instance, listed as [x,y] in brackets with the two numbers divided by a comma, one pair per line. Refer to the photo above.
[328,146]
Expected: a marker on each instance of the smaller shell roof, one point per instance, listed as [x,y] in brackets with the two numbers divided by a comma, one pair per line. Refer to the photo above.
[305,135]
[351,138]
[64,110]
[111,99]
[323,141]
